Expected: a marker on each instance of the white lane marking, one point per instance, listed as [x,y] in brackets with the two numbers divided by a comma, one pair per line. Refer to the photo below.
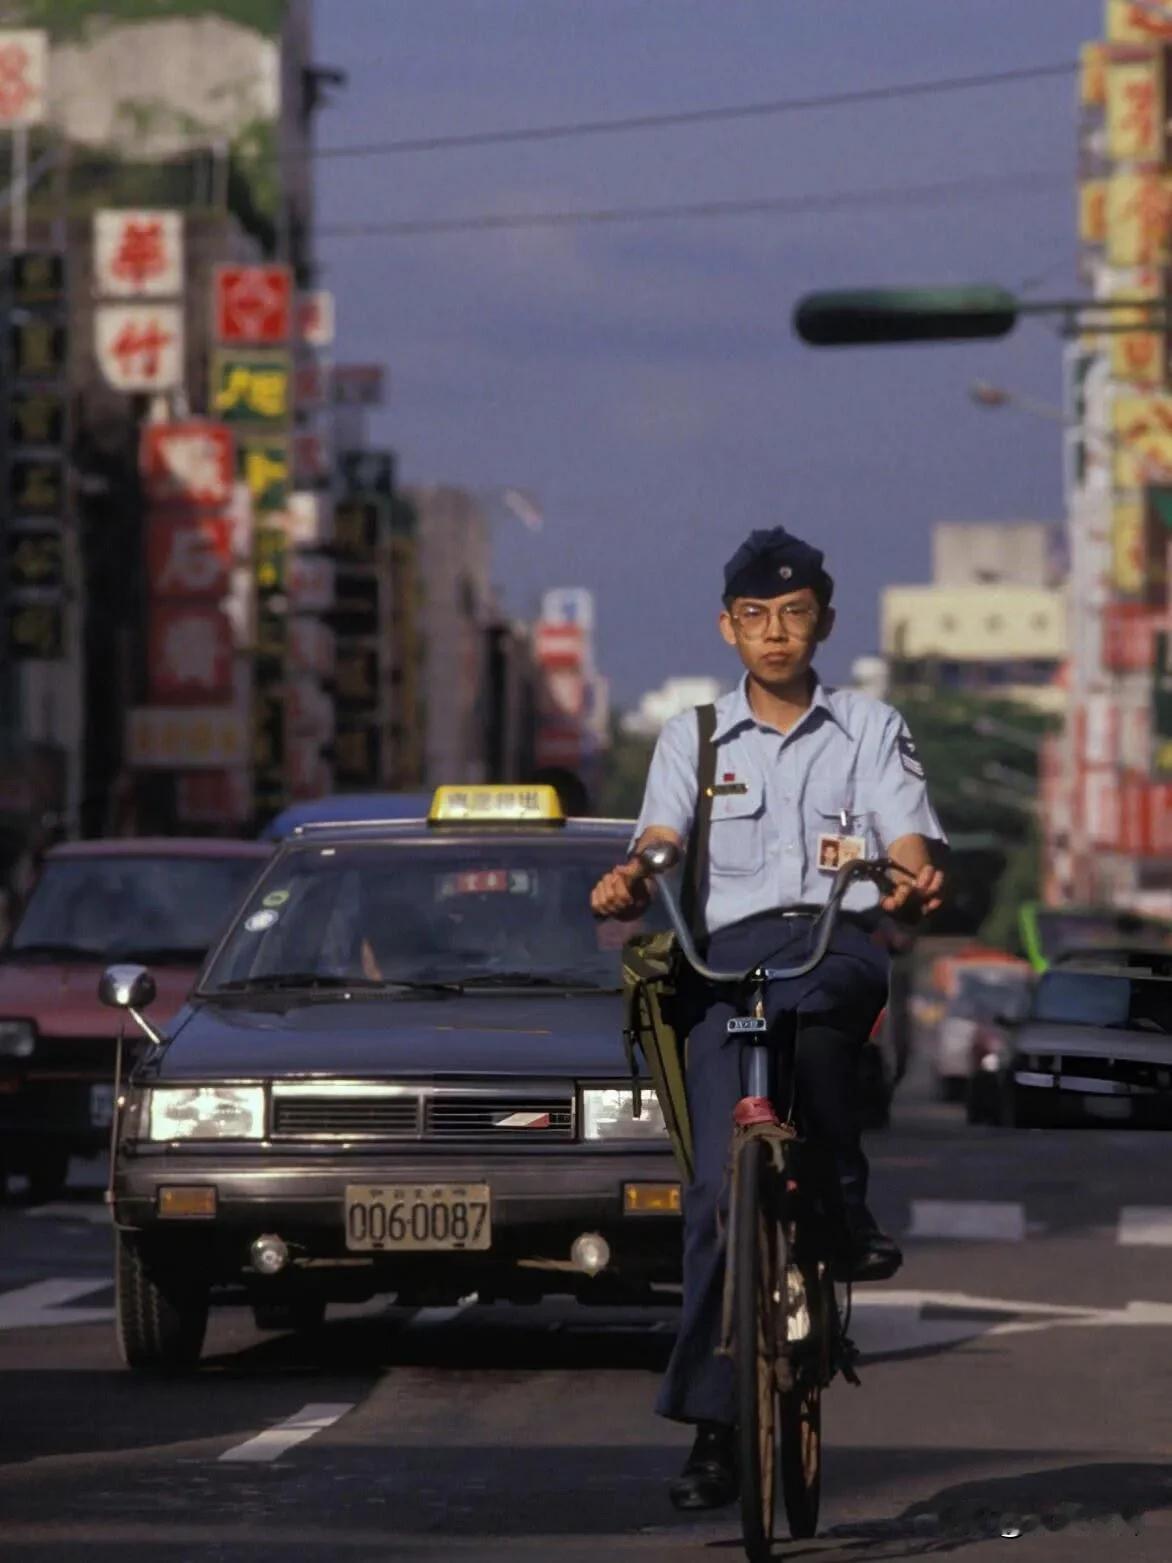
[29,1307]
[1145,1226]
[969,1220]
[284,1435]
[99,1215]
[893,1321]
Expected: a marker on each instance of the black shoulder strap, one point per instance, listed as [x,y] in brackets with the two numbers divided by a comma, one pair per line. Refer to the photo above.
[696,860]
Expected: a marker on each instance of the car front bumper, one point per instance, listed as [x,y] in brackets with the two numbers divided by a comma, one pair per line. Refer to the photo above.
[539,1206]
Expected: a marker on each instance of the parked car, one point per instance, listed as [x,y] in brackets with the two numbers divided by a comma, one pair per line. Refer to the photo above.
[1094,1047]
[980,990]
[992,1045]
[94,902]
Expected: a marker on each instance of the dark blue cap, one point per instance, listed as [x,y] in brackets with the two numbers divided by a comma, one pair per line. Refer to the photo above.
[769,564]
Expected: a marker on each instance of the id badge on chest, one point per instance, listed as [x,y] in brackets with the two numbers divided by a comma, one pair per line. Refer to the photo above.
[834,851]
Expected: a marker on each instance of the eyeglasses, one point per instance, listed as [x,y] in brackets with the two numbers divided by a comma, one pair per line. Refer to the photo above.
[753,619]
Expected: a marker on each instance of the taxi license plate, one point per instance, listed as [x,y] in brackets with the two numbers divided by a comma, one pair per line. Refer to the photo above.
[402,1218]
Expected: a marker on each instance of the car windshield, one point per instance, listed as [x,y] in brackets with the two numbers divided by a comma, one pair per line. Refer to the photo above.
[513,912]
[1098,999]
[120,908]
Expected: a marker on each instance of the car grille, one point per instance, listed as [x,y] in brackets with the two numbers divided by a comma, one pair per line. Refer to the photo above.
[1109,1076]
[373,1118]
[436,1116]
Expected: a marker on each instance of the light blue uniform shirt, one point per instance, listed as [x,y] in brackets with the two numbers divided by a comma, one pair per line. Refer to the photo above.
[847,768]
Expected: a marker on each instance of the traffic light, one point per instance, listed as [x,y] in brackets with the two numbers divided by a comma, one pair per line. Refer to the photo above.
[856,317]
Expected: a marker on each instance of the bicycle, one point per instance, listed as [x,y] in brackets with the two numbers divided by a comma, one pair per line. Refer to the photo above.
[783,1325]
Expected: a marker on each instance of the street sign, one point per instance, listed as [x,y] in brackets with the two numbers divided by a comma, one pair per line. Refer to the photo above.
[358,385]
[186,739]
[24,78]
[264,466]
[315,318]
[36,487]
[37,277]
[363,472]
[36,561]
[253,305]
[35,418]
[36,630]
[189,556]
[190,653]
[140,346]
[189,463]
[37,349]
[138,254]
[251,388]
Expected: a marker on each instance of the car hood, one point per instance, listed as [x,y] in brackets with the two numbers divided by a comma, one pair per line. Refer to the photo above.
[549,1035]
[61,998]
[1143,1047]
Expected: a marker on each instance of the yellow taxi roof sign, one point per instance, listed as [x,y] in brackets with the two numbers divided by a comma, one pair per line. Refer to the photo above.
[496,805]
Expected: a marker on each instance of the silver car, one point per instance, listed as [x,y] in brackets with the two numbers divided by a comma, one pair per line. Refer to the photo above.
[1095,1046]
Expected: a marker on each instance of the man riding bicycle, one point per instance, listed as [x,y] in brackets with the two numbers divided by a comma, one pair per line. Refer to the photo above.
[805,778]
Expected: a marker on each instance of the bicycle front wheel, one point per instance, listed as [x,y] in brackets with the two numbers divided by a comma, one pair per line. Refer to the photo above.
[758,1259]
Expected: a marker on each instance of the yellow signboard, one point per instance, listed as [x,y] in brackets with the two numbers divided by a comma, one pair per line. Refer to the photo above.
[1137,357]
[1127,547]
[1092,76]
[1136,112]
[1139,219]
[1142,429]
[1092,211]
[1139,21]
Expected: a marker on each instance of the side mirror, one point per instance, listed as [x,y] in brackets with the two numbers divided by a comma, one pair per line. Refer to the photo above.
[127,987]
[130,988]
[659,857]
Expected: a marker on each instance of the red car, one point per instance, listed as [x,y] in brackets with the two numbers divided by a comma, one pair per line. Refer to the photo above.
[158,901]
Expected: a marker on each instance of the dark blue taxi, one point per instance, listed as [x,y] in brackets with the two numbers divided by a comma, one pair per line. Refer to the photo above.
[401,1071]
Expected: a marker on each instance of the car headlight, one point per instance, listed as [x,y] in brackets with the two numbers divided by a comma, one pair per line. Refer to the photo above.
[608,1114]
[17,1038]
[206,1112]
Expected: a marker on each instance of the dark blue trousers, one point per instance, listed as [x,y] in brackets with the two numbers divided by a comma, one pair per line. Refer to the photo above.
[833,1010]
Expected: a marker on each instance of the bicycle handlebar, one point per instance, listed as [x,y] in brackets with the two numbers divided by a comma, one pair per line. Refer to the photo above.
[659,857]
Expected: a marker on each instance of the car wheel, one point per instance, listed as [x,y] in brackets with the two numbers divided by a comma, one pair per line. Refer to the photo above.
[302,1317]
[48,1174]
[161,1311]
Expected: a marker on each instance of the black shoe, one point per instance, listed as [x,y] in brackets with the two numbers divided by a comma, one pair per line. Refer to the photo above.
[709,1477]
[872,1255]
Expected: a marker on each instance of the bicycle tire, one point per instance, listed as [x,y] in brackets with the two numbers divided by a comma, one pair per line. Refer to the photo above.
[800,1429]
[758,1259]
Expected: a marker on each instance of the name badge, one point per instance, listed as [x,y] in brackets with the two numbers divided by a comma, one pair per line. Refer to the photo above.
[834,851]
[746,1023]
[725,789]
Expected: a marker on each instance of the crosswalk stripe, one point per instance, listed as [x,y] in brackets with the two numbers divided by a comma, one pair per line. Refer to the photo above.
[41,1303]
[285,1435]
[1145,1226]
[972,1220]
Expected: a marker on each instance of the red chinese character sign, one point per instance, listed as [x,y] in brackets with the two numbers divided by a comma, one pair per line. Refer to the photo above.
[138,254]
[24,72]
[189,556]
[253,305]
[190,653]
[315,318]
[140,346]
[190,463]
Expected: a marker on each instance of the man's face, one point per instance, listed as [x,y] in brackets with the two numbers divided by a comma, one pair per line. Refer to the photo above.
[777,636]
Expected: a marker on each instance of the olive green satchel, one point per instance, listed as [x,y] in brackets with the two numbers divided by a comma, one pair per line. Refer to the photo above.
[652,965]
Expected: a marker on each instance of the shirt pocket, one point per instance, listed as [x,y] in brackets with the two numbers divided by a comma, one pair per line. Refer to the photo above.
[736,840]
[825,802]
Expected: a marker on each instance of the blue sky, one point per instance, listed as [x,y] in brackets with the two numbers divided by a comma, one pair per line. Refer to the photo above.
[642,381]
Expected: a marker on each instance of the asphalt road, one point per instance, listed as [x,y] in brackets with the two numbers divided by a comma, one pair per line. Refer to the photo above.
[1016,1395]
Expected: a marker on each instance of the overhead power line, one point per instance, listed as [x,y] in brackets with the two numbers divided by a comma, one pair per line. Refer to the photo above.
[706,116]
[976,188]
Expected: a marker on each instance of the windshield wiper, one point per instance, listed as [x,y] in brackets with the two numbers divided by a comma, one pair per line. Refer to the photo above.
[529,979]
[57,952]
[293,981]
